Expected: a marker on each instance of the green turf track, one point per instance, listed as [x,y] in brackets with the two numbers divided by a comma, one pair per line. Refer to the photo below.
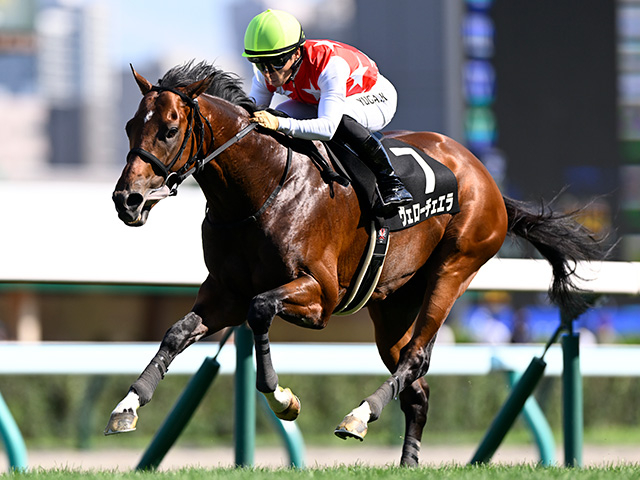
[488,472]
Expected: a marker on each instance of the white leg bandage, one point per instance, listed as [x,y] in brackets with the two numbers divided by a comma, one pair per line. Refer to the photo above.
[362,413]
[129,403]
[279,400]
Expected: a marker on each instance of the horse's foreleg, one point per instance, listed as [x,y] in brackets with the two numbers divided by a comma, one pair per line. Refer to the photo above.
[183,333]
[355,424]
[297,300]
[454,275]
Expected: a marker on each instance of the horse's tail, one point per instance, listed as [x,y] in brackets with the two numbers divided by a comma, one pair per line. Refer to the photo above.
[562,241]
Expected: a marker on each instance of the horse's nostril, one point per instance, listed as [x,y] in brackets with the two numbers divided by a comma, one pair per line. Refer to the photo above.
[134,200]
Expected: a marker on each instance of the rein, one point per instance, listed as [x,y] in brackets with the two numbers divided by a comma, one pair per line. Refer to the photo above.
[176,178]
[266,203]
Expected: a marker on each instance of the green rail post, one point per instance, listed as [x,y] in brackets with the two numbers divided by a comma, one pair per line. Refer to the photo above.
[509,411]
[180,415]
[245,398]
[572,400]
[538,425]
[12,438]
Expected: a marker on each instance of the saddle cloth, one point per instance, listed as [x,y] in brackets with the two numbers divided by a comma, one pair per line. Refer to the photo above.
[434,187]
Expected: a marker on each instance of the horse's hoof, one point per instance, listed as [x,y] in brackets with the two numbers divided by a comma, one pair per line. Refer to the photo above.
[121,422]
[292,411]
[351,427]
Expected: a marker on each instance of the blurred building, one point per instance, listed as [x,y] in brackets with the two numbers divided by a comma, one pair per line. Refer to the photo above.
[628,56]
[23,143]
[56,80]
[18,47]
[556,103]
[77,82]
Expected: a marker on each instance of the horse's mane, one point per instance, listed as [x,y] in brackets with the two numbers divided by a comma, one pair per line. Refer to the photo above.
[225,85]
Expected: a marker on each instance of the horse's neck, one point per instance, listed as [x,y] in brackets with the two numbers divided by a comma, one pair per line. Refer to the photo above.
[236,182]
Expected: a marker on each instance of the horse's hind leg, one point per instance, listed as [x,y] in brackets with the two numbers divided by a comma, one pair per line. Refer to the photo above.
[183,333]
[414,401]
[450,276]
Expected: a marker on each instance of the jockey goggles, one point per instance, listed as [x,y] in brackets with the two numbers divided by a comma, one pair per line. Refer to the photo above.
[274,64]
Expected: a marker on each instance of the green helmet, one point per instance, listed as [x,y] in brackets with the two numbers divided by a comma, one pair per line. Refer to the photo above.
[271,34]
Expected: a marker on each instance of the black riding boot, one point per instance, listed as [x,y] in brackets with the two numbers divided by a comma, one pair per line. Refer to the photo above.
[392,189]
[370,150]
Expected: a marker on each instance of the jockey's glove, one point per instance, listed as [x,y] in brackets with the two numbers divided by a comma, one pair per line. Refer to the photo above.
[265,119]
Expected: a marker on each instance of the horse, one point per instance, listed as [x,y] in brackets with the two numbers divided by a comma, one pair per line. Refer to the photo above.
[279,240]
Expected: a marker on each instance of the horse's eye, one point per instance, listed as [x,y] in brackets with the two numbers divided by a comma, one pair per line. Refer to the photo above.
[172,132]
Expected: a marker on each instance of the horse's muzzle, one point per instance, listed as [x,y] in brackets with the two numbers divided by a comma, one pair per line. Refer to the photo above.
[129,206]
[133,207]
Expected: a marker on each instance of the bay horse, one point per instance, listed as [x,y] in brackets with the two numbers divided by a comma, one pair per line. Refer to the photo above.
[278,240]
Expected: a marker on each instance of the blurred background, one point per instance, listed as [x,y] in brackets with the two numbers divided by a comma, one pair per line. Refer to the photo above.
[545,92]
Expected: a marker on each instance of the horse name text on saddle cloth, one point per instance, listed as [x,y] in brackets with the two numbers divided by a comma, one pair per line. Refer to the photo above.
[416,213]
[433,186]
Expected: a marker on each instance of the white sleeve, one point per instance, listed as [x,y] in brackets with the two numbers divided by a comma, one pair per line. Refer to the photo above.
[259,91]
[332,83]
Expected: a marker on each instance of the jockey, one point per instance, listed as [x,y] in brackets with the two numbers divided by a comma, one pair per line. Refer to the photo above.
[333,89]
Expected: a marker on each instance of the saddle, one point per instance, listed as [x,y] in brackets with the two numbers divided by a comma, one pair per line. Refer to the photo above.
[433,186]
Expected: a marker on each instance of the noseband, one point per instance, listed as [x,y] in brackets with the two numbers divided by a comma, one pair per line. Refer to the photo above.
[195,163]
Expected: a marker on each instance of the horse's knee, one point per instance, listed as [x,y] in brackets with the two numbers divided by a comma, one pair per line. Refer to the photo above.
[262,309]
[415,359]
[183,333]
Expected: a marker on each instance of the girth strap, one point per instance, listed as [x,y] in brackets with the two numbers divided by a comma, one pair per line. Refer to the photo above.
[366,279]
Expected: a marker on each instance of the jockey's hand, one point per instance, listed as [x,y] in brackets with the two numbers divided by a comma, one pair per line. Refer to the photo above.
[265,119]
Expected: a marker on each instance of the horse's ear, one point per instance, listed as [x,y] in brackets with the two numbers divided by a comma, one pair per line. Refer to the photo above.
[199,87]
[143,84]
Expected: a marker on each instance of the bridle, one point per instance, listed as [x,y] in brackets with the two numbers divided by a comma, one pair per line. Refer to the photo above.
[194,164]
